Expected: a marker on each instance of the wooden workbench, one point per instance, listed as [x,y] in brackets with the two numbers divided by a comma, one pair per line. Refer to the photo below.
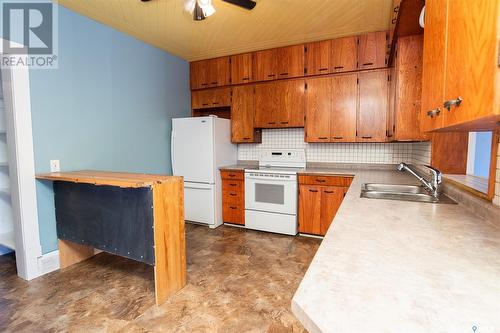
[138,216]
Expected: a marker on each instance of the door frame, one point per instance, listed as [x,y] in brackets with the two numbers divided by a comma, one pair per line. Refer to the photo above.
[16,91]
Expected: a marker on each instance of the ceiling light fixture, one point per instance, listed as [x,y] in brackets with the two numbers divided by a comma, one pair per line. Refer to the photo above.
[200,9]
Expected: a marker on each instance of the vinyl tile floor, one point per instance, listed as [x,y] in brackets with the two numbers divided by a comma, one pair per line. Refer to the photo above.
[238,281]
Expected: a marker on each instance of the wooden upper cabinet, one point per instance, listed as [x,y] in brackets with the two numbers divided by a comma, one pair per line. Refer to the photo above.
[219,72]
[242,115]
[210,73]
[290,109]
[406,88]
[434,63]
[372,110]
[318,57]
[290,61]
[372,50]
[265,65]
[210,98]
[265,105]
[344,54]
[198,73]
[344,108]
[318,109]
[472,64]
[242,68]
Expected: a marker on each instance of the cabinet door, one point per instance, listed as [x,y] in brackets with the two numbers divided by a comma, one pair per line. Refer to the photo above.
[472,60]
[331,198]
[310,209]
[344,108]
[434,63]
[372,111]
[198,73]
[219,72]
[201,99]
[318,57]
[221,97]
[290,109]
[291,61]
[241,68]
[265,105]
[265,65]
[344,54]
[242,114]
[372,50]
[319,108]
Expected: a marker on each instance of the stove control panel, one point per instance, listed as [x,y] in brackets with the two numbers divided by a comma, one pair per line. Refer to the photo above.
[294,158]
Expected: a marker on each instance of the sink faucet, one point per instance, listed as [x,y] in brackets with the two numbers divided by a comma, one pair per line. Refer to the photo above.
[433,185]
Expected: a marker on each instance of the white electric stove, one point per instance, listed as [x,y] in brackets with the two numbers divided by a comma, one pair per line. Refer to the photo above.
[271,191]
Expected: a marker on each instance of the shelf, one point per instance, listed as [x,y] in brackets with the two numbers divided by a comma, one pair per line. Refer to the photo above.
[7,240]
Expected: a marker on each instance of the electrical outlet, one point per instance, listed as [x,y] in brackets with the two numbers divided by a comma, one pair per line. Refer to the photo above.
[55,166]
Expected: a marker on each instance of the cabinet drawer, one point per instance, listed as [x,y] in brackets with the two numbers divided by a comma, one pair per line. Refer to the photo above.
[233,197]
[232,186]
[233,214]
[232,175]
[325,180]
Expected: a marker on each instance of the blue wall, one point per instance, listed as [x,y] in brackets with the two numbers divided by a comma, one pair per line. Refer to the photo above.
[107,107]
[483,154]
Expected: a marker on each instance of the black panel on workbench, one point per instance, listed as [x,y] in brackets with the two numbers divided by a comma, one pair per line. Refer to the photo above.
[110,218]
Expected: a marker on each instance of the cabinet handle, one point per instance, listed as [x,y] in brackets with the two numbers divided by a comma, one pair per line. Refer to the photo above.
[366,137]
[329,192]
[233,184]
[246,138]
[338,67]
[282,74]
[245,78]
[322,138]
[232,194]
[204,84]
[434,112]
[322,69]
[320,180]
[448,104]
[284,122]
[271,75]
[232,207]
[215,82]
[215,103]
[232,175]
[338,137]
[272,123]
[204,104]
[368,64]
[389,136]
[314,191]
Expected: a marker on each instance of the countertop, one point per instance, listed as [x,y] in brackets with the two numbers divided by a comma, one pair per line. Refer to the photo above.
[396,266]
[121,179]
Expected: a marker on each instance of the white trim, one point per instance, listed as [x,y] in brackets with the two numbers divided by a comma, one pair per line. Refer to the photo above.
[22,169]
[471,153]
[48,262]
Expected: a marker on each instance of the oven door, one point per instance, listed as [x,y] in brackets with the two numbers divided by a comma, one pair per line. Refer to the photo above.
[274,193]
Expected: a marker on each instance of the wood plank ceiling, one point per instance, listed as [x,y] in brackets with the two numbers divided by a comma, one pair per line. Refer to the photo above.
[231,30]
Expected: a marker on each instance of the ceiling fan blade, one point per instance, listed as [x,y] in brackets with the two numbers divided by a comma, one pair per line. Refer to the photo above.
[247,4]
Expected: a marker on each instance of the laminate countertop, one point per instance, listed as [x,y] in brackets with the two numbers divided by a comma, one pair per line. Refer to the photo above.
[397,266]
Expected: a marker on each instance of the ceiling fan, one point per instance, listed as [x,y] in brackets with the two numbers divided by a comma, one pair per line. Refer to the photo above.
[201,9]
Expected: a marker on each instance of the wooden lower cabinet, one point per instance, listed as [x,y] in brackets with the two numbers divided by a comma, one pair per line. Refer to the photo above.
[318,204]
[233,197]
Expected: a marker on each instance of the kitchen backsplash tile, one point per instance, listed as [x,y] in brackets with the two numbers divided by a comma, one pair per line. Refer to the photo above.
[380,153]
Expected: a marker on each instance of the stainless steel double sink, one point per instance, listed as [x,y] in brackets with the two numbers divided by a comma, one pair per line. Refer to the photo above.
[403,193]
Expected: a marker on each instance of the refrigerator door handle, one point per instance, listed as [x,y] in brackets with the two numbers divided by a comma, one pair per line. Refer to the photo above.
[172,137]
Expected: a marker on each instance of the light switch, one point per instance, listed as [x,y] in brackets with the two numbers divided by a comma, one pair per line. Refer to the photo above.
[55,166]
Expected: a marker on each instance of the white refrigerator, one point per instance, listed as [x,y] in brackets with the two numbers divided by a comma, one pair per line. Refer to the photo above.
[199,146]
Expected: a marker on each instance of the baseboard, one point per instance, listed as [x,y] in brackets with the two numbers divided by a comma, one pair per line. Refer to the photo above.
[48,262]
